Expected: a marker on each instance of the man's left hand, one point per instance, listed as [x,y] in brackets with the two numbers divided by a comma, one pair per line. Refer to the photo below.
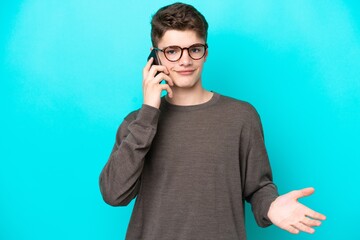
[287,213]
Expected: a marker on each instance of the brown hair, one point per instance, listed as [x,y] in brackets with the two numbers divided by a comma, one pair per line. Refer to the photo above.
[177,16]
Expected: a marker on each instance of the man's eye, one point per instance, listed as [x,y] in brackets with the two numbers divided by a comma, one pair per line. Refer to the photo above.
[171,51]
[195,49]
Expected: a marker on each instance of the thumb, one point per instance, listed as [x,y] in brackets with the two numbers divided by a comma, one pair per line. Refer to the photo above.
[303,192]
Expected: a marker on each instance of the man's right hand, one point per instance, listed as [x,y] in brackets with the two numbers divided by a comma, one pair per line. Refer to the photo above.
[151,84]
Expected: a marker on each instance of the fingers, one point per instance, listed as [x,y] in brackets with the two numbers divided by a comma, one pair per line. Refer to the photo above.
[167,88]
[150,71]
[304,225]
[162,76]
[310,222]
[308,212]
[158,79]
[147,66]
[315,215]
[302,192]
[153,75]
[292,229]
[287,213]
[307,191]
[157,69]
[304,228]
[156,73]
[154,68]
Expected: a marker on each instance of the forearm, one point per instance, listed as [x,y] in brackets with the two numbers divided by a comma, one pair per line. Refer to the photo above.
[260,189]
[261,201]
[120,178]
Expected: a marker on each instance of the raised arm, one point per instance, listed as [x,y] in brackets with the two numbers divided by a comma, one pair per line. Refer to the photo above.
[120,178]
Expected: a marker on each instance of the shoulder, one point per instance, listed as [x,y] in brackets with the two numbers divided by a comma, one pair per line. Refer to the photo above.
[238,108]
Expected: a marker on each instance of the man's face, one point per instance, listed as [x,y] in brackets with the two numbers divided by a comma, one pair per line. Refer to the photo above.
[186,72]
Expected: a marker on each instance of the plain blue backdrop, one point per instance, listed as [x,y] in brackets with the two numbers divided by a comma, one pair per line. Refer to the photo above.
[71,70]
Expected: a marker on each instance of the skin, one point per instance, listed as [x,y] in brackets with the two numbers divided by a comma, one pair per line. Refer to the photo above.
[184,87]
[183,77]
[287,213]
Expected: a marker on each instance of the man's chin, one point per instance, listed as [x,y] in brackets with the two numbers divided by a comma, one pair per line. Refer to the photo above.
[186,83]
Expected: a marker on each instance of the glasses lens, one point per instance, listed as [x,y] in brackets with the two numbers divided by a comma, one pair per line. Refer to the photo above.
[197,51]
[172,53]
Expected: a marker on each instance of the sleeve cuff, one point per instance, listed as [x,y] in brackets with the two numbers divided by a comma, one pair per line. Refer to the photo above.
[148,115]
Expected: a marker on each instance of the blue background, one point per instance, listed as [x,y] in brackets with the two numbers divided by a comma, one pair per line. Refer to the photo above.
[71,70]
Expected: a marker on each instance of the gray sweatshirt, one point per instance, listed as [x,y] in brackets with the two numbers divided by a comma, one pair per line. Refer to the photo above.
[190,169]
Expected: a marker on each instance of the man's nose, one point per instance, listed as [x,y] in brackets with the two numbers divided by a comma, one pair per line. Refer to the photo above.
[185,58]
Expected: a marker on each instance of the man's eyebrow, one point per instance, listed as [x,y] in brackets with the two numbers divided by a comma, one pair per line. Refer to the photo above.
[184,47]
[173,46]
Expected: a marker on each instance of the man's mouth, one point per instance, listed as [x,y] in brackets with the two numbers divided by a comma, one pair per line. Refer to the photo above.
[185,72]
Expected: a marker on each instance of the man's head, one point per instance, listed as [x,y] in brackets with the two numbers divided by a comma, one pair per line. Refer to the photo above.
[177,16]
[179,33]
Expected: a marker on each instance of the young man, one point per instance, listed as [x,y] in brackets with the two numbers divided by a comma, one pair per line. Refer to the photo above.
[193,157]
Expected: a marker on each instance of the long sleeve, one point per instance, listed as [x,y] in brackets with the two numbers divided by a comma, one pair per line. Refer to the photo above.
[205,161]
[120,178]
[259,188]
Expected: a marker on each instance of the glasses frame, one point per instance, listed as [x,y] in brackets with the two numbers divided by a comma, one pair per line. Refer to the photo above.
[182,51]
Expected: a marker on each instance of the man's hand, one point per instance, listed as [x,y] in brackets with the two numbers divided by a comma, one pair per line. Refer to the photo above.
[287,213]
[151,83]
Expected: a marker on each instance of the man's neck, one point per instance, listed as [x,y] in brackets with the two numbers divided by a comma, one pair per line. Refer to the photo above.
[189,96]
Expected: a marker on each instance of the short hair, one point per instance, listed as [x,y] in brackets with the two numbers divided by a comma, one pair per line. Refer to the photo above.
[177,16]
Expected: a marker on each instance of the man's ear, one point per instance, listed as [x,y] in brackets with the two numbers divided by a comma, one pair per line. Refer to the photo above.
[206,54]
[151,48]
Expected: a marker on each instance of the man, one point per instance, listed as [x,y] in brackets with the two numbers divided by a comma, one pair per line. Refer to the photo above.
[193,156]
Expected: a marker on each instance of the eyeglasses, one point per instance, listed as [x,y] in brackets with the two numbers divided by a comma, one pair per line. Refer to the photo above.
[174,53]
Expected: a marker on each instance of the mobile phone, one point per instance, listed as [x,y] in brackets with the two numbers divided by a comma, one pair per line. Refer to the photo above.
[156,61]
[153,54]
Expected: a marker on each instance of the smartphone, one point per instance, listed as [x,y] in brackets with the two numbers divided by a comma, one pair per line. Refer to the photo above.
[153,54]
[156,61]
